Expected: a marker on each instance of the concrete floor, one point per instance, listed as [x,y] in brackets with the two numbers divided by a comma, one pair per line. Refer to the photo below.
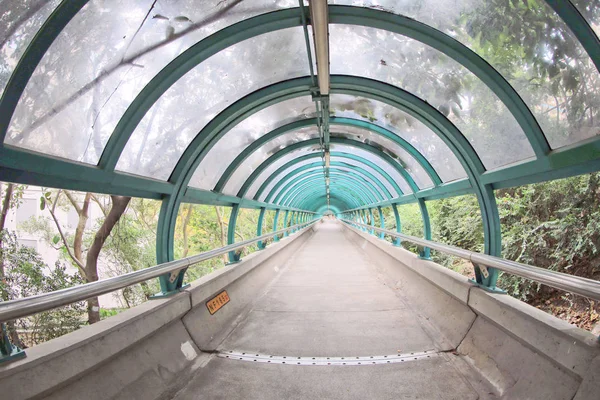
[329,302]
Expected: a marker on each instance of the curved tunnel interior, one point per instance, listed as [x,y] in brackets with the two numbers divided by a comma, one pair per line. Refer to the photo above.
[310,108]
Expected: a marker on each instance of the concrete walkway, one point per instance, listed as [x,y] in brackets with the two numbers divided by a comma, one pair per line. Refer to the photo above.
[329,301]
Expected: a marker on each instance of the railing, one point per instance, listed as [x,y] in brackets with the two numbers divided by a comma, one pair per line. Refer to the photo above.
[574,284]
[19,308]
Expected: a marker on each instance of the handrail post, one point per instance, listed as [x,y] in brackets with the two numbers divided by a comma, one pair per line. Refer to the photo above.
[293,218]
[397,240]
[234,256]
[426,252]
[275,221]
[8,351]
[363,214]
[285,223]
[381,222]
[372,231]
[259,228]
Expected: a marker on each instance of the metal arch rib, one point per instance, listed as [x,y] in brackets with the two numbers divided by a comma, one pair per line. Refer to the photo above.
[380,131]
[367,194]
[333,154]
[68,8]
[338,14]
[339,192]
[311,142]
[342,155]
[297,176]
[364,195]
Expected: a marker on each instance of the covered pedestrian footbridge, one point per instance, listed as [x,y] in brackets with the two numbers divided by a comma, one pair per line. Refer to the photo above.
[325,113]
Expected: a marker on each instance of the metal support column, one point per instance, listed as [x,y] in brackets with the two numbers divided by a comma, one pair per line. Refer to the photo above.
[234,255]
[259,228]
[381,222]
[426,252]
[397,240]
[8,351]
[372,231]
[285,222]
[275,221]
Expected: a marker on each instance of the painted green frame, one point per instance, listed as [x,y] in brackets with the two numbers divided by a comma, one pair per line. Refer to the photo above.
[290,127]
[577,159]
[298,175]
[318,183]
[344,155]
[288,179]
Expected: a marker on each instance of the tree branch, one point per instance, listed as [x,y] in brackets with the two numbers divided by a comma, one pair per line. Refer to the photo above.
[64,240]
[73,201]
[97,200]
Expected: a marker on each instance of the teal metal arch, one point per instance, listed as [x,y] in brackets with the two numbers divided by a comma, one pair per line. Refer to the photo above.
[319,192]
[312,142]
[319,177]
[406,26]
[67,9]
[340,192]
[319,201]
[317,155]
[332,208]
[289,180]
[381,221]
[296,177]
[380,131]
[359,193]
[334,203]
[366,194]
[365,88]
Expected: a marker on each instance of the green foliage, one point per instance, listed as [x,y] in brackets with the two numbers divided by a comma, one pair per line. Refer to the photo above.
[456,221]
[554,225]
[109,312]
[26,274]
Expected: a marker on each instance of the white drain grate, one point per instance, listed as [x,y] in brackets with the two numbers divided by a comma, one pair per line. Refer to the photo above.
[327,361]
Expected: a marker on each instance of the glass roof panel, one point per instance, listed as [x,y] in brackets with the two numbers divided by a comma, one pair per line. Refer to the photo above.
[270,170]
[256,159]
[413,131]
[211,168]
[395,175]
[590,9]
[530,45]
[366,178]
[264,195]
[434,77]
[103,59]
[19,22]
[336,173]
[376,174]
[204,92]
[408,162]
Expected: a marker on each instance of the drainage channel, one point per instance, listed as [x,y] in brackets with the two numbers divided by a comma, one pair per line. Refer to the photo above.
[325,361]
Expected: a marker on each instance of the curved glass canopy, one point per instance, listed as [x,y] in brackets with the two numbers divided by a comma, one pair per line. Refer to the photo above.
[299,106]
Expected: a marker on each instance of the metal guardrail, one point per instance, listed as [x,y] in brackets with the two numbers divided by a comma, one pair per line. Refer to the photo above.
[20,308]
[581,286]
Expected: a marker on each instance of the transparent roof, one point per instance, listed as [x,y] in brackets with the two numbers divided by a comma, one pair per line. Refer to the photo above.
[121,89]
[403,125]
[251,163]
[19,22]
[542,60]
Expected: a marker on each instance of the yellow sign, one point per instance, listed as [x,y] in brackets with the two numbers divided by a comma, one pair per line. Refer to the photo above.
[217,302]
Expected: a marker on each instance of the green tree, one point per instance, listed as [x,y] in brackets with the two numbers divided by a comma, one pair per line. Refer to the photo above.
[25,274]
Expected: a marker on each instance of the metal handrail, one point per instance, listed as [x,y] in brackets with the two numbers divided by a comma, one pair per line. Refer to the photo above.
[570,283]
[20,308]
